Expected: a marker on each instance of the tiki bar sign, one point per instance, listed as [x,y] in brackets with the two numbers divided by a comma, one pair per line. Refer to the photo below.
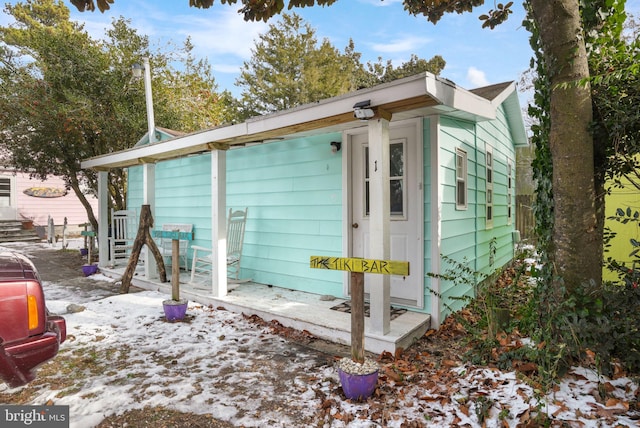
[354,264]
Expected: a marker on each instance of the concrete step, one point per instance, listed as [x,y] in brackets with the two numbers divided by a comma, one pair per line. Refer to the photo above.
[13,231]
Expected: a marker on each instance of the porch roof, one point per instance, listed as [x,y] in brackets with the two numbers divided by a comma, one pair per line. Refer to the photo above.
[418,95]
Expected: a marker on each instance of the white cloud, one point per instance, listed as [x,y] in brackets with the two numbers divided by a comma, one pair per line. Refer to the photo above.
[219,34]
[214,32]
[405,44]
[224,67]
[222,33]
[477,77]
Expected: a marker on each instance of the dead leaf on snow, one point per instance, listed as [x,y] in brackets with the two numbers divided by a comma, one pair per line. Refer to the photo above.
[561,408]
[523,393]
[619,406]
[464,410]
[428,398]
[581,414]
[524,416]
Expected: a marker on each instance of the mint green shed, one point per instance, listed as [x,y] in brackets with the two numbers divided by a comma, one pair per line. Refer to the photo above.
[411,170]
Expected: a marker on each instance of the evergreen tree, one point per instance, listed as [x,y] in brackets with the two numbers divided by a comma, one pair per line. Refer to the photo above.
[288,68]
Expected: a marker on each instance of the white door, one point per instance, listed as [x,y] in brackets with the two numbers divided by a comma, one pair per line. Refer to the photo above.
[406,208]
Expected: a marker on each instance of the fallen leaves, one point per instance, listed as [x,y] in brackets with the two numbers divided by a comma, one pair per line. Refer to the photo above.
[275,327]
[431,378]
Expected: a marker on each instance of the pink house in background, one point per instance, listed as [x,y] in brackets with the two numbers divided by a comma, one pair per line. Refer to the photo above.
[24,199]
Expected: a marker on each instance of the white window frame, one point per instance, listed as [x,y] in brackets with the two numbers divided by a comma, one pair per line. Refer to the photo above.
[489,195]
[5,187]
[461,187]
[402,178]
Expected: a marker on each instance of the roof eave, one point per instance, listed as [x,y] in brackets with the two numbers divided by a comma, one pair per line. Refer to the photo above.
[509,98]
[411,93]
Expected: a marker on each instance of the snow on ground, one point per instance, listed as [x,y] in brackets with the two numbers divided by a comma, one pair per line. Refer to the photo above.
[219,363]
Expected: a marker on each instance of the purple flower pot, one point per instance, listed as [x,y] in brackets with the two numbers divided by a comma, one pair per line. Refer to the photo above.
[357,386]
[84,252]
[175,310]
[89,269]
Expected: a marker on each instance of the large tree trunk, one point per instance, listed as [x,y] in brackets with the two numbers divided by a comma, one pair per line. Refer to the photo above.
[85,203]
[577,243]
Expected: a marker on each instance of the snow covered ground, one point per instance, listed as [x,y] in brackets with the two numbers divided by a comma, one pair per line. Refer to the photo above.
[222,364]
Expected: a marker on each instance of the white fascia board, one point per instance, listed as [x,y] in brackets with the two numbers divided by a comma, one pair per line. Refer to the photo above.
[450,95]
[516,120]
[379,96]
[177,144]
[509,98]
[506,93]
[443,91]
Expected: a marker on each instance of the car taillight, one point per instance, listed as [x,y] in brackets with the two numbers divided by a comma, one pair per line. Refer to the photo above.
[32,304]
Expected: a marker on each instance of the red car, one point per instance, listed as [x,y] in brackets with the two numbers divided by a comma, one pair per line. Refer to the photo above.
[29,335]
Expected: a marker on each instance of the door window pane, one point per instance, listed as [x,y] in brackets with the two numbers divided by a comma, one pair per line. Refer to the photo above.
[396,178]
[396,152]
[397,207]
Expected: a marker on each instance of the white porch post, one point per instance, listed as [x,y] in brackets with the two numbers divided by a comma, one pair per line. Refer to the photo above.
[149,198]
[379,223]
[219,222]
[103,218]
[437,179]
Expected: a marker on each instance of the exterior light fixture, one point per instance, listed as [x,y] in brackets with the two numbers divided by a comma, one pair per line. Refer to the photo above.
[362,110]
[335,146]
[136,70]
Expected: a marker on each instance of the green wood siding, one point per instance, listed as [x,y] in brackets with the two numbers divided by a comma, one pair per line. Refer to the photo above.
[496,134]
[293,190]
[294,193]
[457,239]
[183,189]
[465,237]
[134,188]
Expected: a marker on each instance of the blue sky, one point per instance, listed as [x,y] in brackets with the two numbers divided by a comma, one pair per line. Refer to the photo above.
[474,56]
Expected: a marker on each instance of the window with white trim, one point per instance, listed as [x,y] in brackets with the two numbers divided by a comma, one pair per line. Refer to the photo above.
[461,179]
[5,192]
[489,189]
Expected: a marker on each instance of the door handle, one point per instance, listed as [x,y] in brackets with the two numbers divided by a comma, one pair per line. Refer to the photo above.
[354,225]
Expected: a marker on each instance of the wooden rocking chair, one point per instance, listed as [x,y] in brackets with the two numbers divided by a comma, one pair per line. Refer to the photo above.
[124,225]
[203,257]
